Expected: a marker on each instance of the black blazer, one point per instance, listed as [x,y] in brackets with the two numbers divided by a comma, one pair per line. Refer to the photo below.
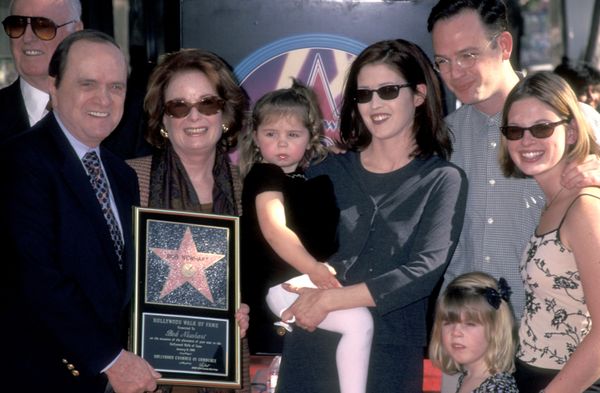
[69,299]
[13,114]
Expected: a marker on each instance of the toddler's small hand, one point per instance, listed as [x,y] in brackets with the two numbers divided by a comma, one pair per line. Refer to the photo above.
[323,276]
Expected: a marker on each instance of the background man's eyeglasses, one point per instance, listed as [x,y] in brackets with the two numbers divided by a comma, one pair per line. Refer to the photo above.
[207,106]
[389,92]
[463,60]
[542,130]
[43,28]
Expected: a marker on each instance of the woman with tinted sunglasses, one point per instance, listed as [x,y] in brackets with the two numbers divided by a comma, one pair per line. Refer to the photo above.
[543,131]
[195,109]
[401,212]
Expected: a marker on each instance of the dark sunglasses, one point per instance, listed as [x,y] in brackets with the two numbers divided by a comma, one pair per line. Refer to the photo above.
[43,28]
[542,130]
[389,92]
[207,106]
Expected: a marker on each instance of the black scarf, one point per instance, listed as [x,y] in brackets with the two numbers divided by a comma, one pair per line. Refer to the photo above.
[171,188]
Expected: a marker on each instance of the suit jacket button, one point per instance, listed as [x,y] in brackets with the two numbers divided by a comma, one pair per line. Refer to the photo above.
[281,331]
[65,361]
[70,367]
[75,373]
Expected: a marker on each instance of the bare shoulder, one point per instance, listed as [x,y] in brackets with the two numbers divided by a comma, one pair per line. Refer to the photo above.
[582,217]
[587,200]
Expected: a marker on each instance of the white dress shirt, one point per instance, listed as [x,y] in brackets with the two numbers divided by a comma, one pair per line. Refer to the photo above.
[35,101]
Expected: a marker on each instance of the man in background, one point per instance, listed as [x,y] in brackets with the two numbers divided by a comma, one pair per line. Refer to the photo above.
[35,28]
[585,82]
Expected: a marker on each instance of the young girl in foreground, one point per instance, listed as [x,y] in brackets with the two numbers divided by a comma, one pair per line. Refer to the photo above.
[289,226]
[472,334]
[543,132]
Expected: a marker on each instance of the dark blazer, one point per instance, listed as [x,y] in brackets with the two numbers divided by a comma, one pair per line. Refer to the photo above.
[13,114]
[126,141]
[69,300]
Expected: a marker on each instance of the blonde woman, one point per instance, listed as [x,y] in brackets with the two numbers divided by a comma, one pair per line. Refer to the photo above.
[543,132]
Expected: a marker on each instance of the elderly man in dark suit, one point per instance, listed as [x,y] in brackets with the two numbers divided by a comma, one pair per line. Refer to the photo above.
[32,43]
[65,222]
[35,28]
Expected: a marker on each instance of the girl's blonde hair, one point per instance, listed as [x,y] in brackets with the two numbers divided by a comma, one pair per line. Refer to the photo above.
[473,297]
[297,100]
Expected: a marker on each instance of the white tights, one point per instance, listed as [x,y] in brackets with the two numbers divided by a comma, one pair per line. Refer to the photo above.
[355,325]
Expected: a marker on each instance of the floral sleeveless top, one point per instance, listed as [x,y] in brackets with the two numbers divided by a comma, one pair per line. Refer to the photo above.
[555,319]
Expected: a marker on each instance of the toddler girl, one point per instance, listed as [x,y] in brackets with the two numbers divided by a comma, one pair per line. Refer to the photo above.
[289,226]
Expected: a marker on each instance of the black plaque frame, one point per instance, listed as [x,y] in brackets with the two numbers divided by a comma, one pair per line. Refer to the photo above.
[187,332]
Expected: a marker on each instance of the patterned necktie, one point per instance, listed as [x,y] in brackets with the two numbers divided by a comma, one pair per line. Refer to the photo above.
[91,161]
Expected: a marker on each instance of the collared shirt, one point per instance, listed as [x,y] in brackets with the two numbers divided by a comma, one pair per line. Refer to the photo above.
[35,101]
[502,213]
[81,150]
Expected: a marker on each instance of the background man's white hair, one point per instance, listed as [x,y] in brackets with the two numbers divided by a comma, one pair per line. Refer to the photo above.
[74,5]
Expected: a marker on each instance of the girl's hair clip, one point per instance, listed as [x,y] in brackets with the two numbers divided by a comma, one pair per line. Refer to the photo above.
[494,297]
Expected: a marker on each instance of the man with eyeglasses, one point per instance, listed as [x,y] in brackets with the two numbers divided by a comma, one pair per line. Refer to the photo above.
[472,48]
[35,28]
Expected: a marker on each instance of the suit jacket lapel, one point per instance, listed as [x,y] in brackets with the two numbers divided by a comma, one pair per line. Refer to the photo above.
[13,113]
[77,180]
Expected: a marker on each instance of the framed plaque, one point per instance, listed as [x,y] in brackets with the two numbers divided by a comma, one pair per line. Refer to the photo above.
[186,295]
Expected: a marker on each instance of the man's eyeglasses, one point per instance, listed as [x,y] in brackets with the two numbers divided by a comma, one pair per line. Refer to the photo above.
[43,28]
[541,130]
[463,60]
[389,92]
[207,106]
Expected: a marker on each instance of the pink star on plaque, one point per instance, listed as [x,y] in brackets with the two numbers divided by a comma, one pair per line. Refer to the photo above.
[186,264]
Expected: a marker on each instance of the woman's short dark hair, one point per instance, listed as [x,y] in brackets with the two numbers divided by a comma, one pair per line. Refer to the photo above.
[432,136]
[217,72]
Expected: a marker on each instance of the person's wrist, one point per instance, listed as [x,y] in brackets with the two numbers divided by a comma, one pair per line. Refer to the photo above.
[314,268]
[330,297]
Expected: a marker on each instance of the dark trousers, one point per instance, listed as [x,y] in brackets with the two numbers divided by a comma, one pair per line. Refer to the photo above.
[308,365]
[532,379]
[308,362]
[395,369]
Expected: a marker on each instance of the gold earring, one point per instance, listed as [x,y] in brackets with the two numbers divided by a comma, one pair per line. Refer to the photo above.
[164,133]
[224,128]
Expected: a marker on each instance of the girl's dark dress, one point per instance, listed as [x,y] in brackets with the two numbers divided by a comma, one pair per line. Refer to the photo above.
[497,383]
[311,212]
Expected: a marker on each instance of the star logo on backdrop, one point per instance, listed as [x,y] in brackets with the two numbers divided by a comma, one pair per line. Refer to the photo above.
[321,85]
[186,264]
